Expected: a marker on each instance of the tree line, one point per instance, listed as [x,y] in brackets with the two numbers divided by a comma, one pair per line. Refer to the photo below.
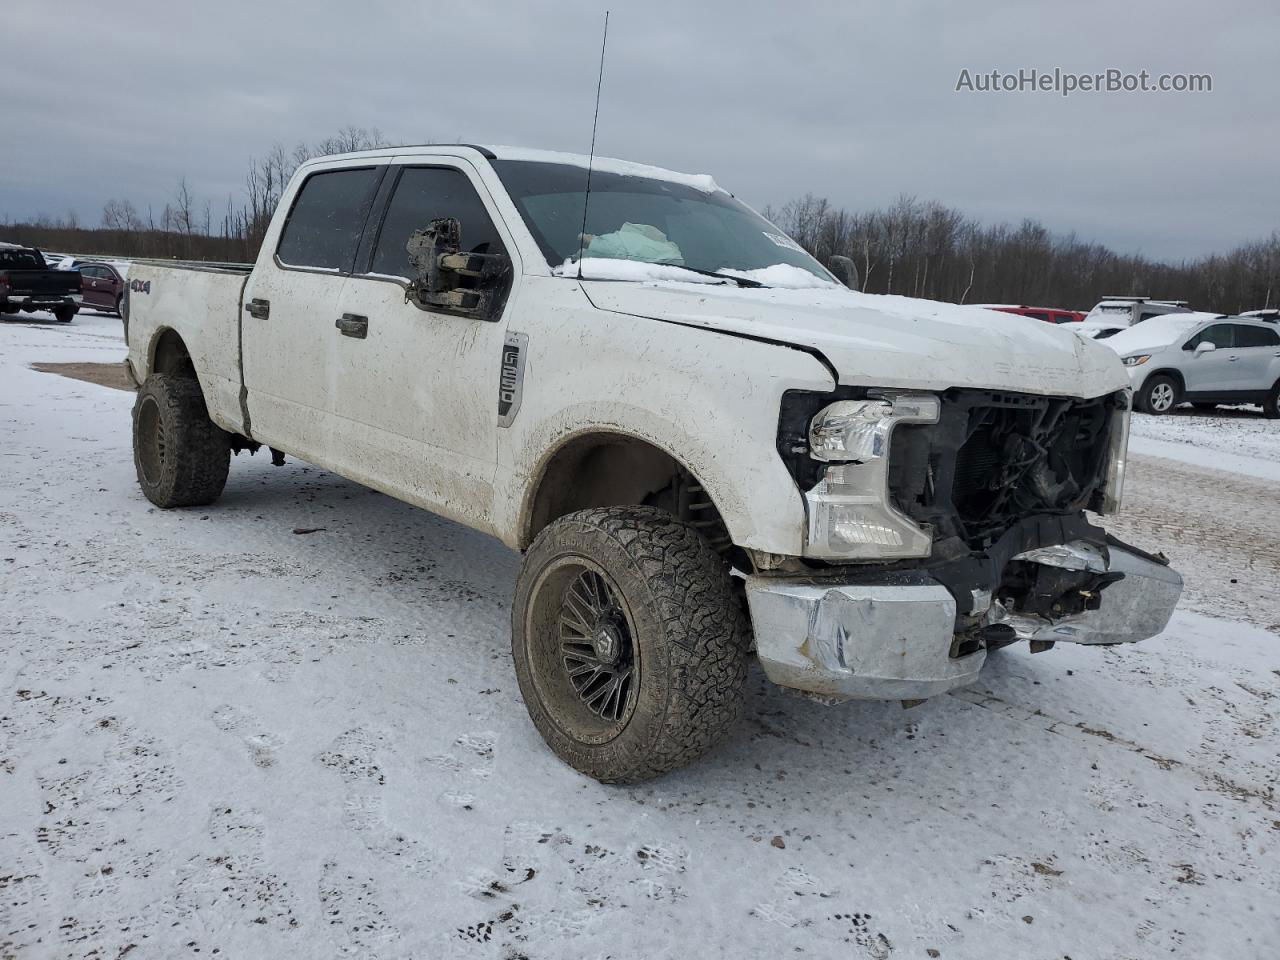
[912,247]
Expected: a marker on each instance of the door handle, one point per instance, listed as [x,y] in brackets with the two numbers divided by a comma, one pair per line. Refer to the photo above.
[353,325]
[259,309]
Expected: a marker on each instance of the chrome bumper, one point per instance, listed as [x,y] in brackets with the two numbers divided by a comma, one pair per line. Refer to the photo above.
[890,636]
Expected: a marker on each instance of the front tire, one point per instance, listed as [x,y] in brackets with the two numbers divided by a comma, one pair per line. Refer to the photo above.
[1271,405]
[1159,395]
[629,645]
[182,457]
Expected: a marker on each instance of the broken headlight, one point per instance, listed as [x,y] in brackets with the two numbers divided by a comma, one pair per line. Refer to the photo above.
[1117,459]
[858,430]
[850,516]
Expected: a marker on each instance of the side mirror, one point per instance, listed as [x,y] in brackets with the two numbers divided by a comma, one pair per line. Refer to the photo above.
[448,279]
[1205,346]
[845,271]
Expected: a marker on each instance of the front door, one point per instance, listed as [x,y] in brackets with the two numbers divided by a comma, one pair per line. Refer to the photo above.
[1210,372]
[417,390]
[290,306]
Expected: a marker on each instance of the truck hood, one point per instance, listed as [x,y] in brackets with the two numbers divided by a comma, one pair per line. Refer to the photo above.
[885,341]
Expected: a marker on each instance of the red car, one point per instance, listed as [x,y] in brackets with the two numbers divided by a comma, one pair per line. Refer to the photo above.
[101,286]
[1047,314]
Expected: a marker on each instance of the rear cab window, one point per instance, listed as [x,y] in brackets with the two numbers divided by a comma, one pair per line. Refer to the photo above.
[21,260]
[327,219]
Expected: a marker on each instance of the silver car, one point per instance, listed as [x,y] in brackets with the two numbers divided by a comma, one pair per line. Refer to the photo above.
[1202,358]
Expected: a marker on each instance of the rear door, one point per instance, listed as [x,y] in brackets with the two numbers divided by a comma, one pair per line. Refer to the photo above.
[1257,350]
[290,306]
[417,390]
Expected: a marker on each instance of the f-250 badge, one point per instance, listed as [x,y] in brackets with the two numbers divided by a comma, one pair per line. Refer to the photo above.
[511,377]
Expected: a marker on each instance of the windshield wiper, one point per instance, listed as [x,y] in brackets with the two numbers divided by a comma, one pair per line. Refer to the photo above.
[740,281]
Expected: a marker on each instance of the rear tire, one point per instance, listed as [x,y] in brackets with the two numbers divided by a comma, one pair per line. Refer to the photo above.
[1159,395]
[629,645]
[120,306]
[182,457]
[65,314]
[1271,405]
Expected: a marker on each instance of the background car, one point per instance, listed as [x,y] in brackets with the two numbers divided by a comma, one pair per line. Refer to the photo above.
[102,287]
[1047,314]
[1113,314]
[1203,358]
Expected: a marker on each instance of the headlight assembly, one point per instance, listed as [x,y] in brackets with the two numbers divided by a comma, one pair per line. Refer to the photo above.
[849,510]
[1137,361]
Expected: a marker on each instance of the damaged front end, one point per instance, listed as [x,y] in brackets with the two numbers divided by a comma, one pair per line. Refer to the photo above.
[996,487]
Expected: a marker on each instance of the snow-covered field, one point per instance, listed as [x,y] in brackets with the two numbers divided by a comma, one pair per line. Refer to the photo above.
[222,738]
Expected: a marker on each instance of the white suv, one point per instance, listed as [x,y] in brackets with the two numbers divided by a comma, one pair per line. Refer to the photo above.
[1113,314]
[1203,358]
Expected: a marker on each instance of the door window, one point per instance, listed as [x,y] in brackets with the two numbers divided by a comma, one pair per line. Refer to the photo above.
[424,194]
[1220,335]
[327,219]
[1249,336]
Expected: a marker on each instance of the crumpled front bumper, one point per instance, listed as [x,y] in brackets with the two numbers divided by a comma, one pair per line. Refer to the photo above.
[890,636]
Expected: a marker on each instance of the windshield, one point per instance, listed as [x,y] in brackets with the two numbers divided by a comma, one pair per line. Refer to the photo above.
[648,220]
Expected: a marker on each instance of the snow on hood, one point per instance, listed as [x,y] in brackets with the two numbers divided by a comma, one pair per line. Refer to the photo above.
[1156,333]
[885,341]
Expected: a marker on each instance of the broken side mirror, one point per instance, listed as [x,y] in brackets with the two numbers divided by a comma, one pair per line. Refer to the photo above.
[448,279]
[844,270]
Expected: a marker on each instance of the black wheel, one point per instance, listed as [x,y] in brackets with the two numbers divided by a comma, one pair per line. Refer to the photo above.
[1159,395]
[1271,405]
[629,645]
[65,314]
[182,456]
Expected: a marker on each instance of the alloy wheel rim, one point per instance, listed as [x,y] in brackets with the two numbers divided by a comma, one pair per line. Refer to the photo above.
[1162,396]
[596,648]
[154,441]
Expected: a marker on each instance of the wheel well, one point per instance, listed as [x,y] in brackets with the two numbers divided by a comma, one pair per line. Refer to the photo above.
[170,355]
[1173,375]
[612,470]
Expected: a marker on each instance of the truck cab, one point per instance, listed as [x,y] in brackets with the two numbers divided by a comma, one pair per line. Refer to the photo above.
[703,445]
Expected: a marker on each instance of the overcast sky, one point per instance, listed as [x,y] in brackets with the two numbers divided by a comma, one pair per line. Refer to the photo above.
[852,100]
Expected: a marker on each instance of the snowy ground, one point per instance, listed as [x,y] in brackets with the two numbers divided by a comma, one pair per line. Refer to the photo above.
[222,738]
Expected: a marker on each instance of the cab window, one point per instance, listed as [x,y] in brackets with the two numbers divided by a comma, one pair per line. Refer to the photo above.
[327,219]
[421,195]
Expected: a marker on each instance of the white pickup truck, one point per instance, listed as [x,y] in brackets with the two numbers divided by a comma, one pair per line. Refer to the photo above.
[704,446]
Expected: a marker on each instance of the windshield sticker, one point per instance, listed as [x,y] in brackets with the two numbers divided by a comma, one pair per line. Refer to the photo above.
[782,240]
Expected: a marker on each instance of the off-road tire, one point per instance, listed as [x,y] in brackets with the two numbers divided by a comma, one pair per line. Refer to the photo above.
[1148,399]
[688,629]
[182,457]
[65,314]
[1271,404]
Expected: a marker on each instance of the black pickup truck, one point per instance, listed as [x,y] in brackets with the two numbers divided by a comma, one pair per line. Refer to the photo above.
[28,283]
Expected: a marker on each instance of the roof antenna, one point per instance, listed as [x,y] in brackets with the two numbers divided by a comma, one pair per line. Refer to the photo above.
[586,199]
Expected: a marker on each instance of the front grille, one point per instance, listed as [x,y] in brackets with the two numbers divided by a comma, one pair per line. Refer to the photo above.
[993,459]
